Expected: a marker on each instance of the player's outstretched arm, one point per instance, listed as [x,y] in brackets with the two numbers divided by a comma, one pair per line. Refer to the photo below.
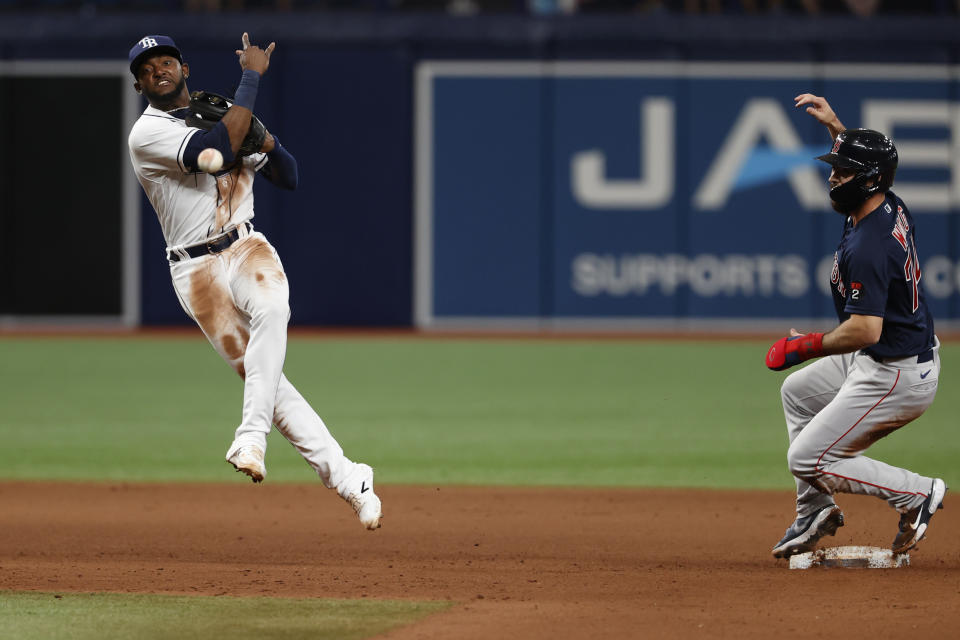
[254,61]
[820,109]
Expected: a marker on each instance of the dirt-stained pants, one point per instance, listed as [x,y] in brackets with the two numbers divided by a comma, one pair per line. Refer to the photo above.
[239,298]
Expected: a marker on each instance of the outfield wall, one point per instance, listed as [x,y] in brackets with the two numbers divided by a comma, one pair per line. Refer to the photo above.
[584,192]
[592,171]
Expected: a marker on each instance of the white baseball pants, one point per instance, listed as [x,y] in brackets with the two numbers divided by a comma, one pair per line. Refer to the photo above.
[836,408]
[240,299]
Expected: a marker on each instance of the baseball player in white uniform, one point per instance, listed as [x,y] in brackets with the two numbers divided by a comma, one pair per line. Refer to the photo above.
[882,362]
[227,276]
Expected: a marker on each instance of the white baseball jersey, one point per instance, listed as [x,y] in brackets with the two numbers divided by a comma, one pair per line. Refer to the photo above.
[191,205]
[239,296]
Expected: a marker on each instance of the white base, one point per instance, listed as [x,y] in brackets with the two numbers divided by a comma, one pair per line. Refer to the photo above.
[850,557]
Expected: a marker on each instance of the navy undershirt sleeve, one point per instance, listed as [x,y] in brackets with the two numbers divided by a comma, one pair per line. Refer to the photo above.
[281,167]
[216,138]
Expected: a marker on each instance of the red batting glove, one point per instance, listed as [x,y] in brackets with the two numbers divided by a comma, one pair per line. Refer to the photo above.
[789,351]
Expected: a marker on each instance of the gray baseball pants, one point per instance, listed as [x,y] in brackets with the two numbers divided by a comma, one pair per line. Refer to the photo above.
[836,408]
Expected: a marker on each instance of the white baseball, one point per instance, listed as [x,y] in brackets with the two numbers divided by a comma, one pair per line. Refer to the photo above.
[210,160]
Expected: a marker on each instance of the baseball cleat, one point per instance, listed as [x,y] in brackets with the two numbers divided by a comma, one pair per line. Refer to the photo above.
[249,460]
[803,534]
[914,523]
[357,490]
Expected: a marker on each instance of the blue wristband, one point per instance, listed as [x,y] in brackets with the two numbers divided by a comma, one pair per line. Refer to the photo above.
[247,91]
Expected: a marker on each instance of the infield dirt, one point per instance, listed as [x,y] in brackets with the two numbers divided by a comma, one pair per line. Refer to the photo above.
[519,563]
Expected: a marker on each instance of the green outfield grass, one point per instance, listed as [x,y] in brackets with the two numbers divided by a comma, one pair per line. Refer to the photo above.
[435,411]
[430,411]
[83,616]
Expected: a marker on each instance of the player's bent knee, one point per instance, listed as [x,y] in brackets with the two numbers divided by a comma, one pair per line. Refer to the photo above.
[792,393]
[801,463]
[791,388]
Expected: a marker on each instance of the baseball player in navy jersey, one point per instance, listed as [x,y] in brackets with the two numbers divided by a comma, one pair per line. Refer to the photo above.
[881,363]
[227,276]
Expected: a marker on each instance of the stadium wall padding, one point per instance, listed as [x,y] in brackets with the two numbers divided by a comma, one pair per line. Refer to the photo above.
[341,94]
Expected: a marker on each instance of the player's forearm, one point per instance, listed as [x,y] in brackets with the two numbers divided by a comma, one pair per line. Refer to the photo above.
[835,127]
[237,118]
[281,169]
[855,333]
[237,122]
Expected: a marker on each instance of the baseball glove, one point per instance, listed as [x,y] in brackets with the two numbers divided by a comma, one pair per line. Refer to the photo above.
[207,109]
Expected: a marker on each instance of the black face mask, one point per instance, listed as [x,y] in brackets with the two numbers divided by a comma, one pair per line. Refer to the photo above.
[845,199]
[848,196]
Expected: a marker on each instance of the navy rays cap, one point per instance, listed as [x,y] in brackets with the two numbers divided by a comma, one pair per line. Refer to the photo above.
[152,46]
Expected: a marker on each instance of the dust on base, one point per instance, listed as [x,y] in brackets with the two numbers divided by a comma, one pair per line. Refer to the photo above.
[850,557]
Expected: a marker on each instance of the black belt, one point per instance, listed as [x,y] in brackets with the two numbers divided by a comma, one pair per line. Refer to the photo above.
[926,356]
[218,244]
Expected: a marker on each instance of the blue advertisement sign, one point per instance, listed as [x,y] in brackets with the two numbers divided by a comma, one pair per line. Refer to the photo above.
[593,193]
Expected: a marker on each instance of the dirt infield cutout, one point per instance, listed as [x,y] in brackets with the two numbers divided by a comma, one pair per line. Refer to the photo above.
[524,563]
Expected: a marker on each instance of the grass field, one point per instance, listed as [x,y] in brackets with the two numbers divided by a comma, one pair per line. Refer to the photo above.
[630,413]
[445,411]
[47,616]
[508,412]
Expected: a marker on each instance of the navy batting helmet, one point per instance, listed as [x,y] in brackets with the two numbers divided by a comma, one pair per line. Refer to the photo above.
[872,157]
